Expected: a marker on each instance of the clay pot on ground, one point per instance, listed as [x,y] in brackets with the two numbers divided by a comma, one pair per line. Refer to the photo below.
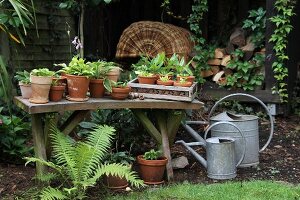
[40,86]
[26,90]
[184,84]
[115,182]
[166,83]
[114,74]
[187,78]
[120,93]
[77,87]
[147,79]
[152,171]
[56,92]
[96,88]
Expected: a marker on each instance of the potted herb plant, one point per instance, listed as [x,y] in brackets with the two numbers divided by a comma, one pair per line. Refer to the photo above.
[57,89]
[183,82]
[181,68]
[99,80]
[120,90]
[41,80]
[116,182]
[24,82]
[77,74]
[165,80]
[152,166]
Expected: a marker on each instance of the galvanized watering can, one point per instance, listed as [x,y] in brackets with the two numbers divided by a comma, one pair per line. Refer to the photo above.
[220,153]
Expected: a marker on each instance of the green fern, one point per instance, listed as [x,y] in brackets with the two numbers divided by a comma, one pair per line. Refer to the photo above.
[78,164]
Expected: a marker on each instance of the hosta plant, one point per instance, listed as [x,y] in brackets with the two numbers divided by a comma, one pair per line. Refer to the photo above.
[78,165]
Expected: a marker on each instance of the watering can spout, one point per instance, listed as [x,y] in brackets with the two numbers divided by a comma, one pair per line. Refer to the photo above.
[192,151]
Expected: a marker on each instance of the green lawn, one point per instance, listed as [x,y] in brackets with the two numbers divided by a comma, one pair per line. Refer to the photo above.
[252,190]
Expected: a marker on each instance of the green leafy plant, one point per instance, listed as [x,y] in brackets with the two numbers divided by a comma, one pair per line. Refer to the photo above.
[23,77]
[256,23]
[42,72]
[119,84]
[77,66]
[165,78]
[80,164]
[179,65]
[122,157]
[282,20]
[152,155]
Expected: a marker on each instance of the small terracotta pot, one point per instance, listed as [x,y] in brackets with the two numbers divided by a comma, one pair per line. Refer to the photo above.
[166,83]
[77,87]
[56,92]
[152,171]
[114,74]
[26,90]
[115,182]
[186,84]
[96,88]
[120,93]
[188,78]
[40,86]
[147,79]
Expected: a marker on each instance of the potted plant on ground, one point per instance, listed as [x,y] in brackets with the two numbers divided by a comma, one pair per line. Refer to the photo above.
[120,90]
[57,89]
[77,74]
[99,80]
[152,166]
[165,80]
[41,80]
[183,82]
[24,82]
[116,182]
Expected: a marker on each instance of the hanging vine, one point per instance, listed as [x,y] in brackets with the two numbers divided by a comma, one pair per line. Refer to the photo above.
[282,21]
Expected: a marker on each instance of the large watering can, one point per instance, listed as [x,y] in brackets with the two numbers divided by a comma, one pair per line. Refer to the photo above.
[248,124]
[220,153]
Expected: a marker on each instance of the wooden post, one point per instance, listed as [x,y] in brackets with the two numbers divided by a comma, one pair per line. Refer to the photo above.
[39,142]
[173,123]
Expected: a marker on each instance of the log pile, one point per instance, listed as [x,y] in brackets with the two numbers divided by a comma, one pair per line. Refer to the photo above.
[222,56]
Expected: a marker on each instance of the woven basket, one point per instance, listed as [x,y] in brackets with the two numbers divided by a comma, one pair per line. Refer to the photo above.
[150,38]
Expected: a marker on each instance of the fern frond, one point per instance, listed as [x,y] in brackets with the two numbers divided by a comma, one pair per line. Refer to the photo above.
[46,177]
[100,139]
[64,152]
[117,169]
[50,193]
[43,162]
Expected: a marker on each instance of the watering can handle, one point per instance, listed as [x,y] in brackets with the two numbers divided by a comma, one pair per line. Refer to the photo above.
[261,103]
[239,130]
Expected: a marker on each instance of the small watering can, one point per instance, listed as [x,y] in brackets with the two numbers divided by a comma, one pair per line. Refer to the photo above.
[248,124]
[220,153]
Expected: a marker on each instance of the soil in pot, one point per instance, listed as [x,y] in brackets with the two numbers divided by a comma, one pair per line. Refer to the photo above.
[119,93]
[114,74]
[166,83]
[147,79]
[26,90]
[77,87]
[56,92]
[40,86]
[96,88]
[185,84]
[115,182]
[152,171]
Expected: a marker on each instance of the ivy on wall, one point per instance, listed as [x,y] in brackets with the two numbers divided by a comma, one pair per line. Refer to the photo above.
[282,21]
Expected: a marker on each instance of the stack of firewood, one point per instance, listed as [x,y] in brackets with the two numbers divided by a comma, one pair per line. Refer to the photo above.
[223,56]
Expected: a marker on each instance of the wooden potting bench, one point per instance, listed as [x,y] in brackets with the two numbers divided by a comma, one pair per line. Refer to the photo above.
[168,116]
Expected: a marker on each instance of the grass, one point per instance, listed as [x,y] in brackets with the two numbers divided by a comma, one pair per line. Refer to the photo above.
[252,190]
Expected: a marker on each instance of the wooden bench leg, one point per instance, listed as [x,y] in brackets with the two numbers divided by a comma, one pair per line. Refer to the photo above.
[39,142]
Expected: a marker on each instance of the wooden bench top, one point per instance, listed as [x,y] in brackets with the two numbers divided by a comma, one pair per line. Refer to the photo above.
[104,103]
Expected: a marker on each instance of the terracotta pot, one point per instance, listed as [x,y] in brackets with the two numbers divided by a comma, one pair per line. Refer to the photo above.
[40,86]
[114,74]
[166,83]
[56,92]
[152,171]
[77,87]
[26,90]
[120,93]
[188,78]
[147,79]
[96,88]
[115,182]
[185,84]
